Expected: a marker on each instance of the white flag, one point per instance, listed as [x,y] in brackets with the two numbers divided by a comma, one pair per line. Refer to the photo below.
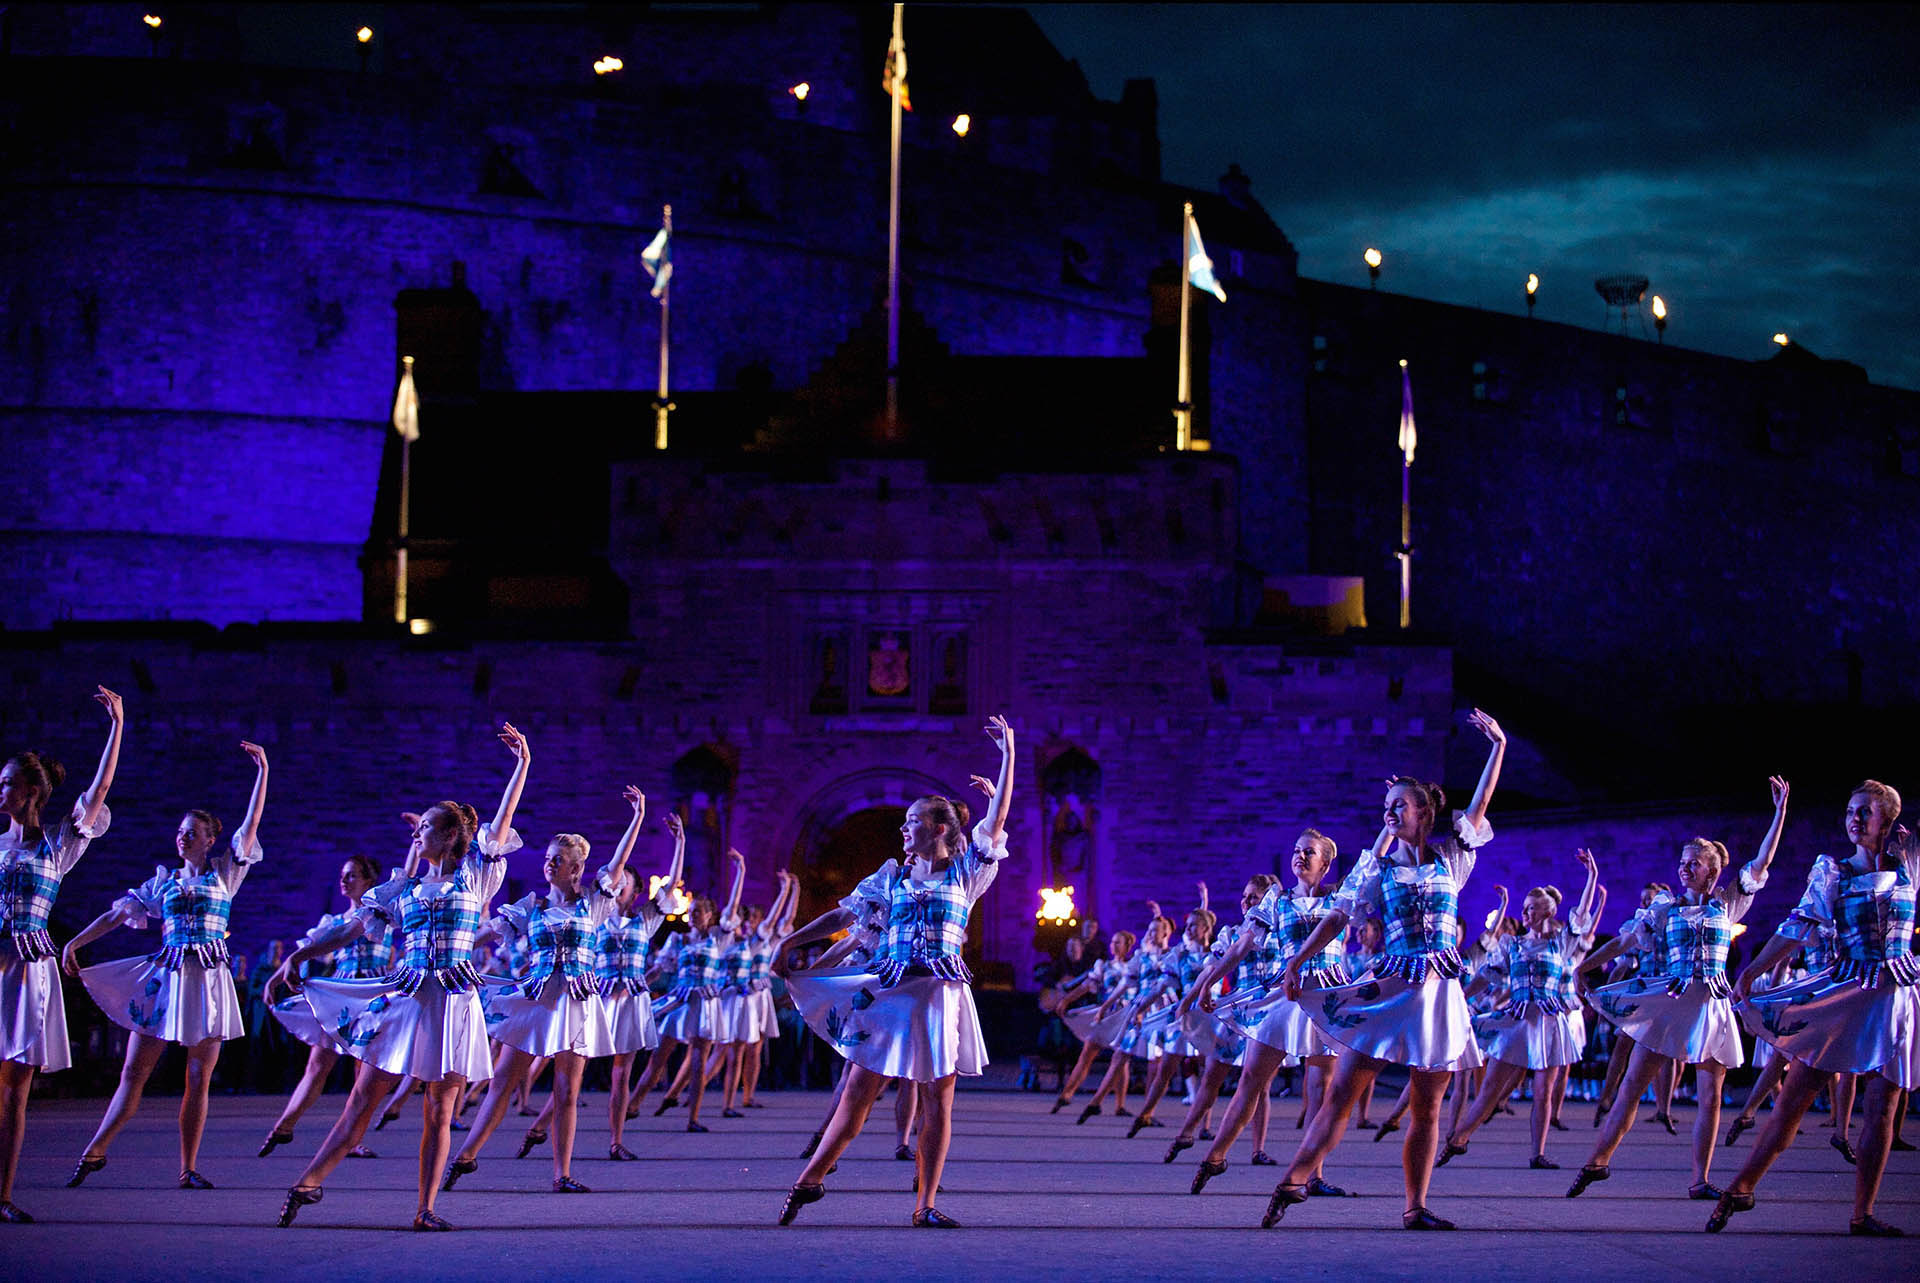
[657,258]
[1407,435]
[1199,266]
[406,406]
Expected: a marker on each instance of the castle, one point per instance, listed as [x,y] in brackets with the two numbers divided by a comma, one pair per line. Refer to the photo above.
[1668,572]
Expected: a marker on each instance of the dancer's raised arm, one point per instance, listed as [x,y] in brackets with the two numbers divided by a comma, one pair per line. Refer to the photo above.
[731,915]
[1582,918]
[610,876]
[663,898]
[1490,774]
[1001,733]
[249,831]
[770,925]
[1755,874]
[510,798]
[94,800]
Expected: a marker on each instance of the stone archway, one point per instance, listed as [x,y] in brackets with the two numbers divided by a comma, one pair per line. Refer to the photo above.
[849,828]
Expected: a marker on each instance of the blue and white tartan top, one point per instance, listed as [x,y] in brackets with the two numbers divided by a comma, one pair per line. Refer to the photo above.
[1288,920]
[625,944]
[1108,976]
[1870,916]
[1537,972]
[363,959]
[748,964]
[1692,939]
[927,920]
[1260,967]
[438,917]
[559,937]
[699,962]
[760,956]
[193,908]
[1418,904]
[30,876]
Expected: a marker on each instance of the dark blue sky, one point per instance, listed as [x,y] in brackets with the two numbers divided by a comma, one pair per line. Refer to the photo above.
[1761,165]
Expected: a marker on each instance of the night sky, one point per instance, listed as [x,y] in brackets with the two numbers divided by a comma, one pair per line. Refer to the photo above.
[1759,165]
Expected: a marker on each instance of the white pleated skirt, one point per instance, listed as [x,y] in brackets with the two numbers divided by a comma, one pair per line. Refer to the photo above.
[296,1017]
[1535,1040]
[630,1015]
[430,1034]
[1214,1038]
[551,1023]
[923,1029]
[769,1013]
[187,1005]
[1424,1024]
[1837,1026]
[738,1019]
[33,1013]
[685,1020]
[1692,1028]
[1269,1017]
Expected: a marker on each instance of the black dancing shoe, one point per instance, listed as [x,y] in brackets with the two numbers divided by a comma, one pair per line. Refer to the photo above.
[1558,1126]
[618,1153]
[1173,1150]
[1138,1123]
[1261,1158]
[1205,1133]
[1725,1209]
[361,1151]
[1666,1121]
[11,1215]
[702,1128]
[568,1185]
[1059,1103]
[83,1169]
[273,1141]
[1421,1219]
[1705,1191]
[1091,1111]
[1541,1163]
[429,1222]
[191,1179]
[456,1169]
[297,1198]
[1366,1125]
[903,1153]
[1865,1227]
[1600,1112]
[813,1144]
[1320,1187]
[932,1218]
[1448,1152]
[1904,1146]
[1385,1130]
[1284,1196]
[1739,1125]
[1846,1149]
[1120,1111]
[1588,1175]
[533,1137]
[798,1197]
[731,1113]
[1208,1170]
[385,1119]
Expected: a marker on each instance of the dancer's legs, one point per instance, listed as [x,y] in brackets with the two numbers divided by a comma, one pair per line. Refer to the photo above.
[143,1053]
[936,1134]
[621,1071]
[1643,1066]
[16,1083]
[1257,1069]
[1879,1103]
[567,1070]
[201,1059]
[509,1071]
[1803,1083]
[436,1132]
[320,1063]
[1709,1077]
[1502,1077]
[370,1087]
[861,1088]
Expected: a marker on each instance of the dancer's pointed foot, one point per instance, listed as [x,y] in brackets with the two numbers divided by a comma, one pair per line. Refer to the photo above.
[274,1140]
[1541,1163]
[430,1222]
[1591,1174]
[618,1153]
[1558,1126]
[1209,1168]
[385,1119]
[813,1144]
[83,1169]
[671,1102]
[1726,1208]
[1284,1196]
[533,1137]
[1449,1152]
[1143,1121]
[1739,1125]
[798,1197]
[1846,1149]
[1421,1219]
[1320,1187]
[1261,1158]
[298,1197]
[1903,1146]
[1091,1111]
[456,1169]
[1600,1112]
[1666,1121]
[1385,1130]
[1705,1191]
[1173,1150]
[1060,1103]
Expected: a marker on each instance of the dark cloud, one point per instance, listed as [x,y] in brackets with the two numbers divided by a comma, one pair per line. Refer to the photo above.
[1756,163]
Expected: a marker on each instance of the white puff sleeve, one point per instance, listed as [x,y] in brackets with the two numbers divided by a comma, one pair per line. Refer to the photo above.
[1359,895]
[146,900]
[75,834]
[1814,914]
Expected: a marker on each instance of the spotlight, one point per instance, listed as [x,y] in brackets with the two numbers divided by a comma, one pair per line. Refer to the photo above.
[962,123]
[1372,257]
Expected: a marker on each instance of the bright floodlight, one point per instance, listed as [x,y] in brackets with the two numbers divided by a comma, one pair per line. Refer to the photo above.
[1659,308]
[962,123]
[1533,284]
[1373,257]
[800,91]
[363,35]
[1782,339]
[152,20]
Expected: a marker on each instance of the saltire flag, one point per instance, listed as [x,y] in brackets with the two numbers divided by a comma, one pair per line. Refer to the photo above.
[406,406]
[897,69]
[1407,437]
[657,258]
[1199,266]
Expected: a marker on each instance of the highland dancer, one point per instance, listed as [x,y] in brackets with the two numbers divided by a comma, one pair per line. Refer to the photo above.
[33,860]
[1102,982]
[556,1012]
[183,993]
[911,1014]
[425,1020]
[690,1014]
[1860,1014]
[1111,1028]
[1686,1017]
[1169,1051]
[1410,1010]
[1274,1021]
[1539,1028]
[746,1000]
[1645,962]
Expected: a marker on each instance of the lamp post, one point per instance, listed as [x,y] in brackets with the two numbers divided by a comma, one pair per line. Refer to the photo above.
[799,94]
[1533,289]
[363,45]
[1660,318]
[153,32]
[1372,256]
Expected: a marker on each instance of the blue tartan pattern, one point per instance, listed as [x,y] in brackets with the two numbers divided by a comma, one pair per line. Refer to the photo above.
[29,884]
[438,930]
[194,910]
[736,966]
[560,937]
[622,951]
[364,959]
[1421,920]
[1289,920]
[698,967]
[927,926]
[1535,972]
[1873,930]
[760,956]
[1697,954]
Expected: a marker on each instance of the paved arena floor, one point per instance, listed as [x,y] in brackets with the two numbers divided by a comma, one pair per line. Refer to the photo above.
[1040,1198]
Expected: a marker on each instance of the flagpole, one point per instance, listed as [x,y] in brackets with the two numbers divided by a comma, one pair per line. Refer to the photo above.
[1183,408]
[896,84]
[406,483]
[1405,553]
[661,405]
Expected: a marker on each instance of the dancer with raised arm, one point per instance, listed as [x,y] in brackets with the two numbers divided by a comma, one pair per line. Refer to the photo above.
[746,1003]
[1411,1009]
[779,922]
[1539,1027]
[1685,1016]
[1153,1010]
[1111,1026]
[425,1020]
[1275,1023]
[33,861]
[184,993]
[1858,1015]
[1101,983]
[690,1013]
[910,1014]
[556,1012]
[1646,962]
